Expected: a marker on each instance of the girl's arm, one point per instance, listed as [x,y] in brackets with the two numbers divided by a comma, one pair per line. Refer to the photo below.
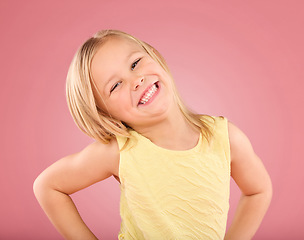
[68,175]
[250,175]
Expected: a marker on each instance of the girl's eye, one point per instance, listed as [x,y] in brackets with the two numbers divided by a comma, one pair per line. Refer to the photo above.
[134,64]
[114,86]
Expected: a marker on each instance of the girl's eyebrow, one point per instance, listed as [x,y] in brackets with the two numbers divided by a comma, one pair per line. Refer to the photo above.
[126,59]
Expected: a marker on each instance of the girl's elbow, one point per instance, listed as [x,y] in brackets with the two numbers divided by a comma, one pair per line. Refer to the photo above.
[268,192]
[40,187]
[269,189]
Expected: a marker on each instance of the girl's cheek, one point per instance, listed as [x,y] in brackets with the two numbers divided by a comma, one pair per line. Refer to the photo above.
[121,98]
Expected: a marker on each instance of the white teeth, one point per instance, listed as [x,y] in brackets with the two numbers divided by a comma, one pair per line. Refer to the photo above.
[148,94]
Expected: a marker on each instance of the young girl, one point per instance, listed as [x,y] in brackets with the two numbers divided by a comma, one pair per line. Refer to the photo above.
[173,166]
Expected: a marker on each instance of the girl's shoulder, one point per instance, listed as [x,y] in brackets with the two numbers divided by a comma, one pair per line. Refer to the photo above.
[214,123]
[106,155]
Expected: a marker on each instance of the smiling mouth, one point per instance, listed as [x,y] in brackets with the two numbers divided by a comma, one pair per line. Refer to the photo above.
[149,94]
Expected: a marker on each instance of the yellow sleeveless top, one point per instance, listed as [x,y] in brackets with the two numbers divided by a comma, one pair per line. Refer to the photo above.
[168,194]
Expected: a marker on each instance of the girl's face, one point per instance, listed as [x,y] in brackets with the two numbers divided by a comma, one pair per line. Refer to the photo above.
[135,89]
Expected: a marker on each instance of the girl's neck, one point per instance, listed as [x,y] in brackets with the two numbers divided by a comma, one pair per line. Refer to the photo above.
[174,133]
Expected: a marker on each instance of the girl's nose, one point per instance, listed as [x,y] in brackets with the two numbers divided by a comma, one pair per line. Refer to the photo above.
[138,82]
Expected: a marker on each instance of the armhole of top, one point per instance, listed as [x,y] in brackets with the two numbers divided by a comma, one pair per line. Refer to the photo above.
[227,143]
[121,142]
[221,123]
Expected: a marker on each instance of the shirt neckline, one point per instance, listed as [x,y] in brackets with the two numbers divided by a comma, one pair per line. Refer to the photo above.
[158,148]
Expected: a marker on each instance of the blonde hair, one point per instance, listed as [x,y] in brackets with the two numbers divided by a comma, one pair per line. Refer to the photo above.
[81,93]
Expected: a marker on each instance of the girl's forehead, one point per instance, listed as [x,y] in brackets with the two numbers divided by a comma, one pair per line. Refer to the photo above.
[112,54]
[116,49]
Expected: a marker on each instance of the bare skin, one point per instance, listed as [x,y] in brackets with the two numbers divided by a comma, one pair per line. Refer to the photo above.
[99,161]
[122,72]
[161,122]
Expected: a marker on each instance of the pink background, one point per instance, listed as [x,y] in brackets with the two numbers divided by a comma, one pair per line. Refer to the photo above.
[240,59]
